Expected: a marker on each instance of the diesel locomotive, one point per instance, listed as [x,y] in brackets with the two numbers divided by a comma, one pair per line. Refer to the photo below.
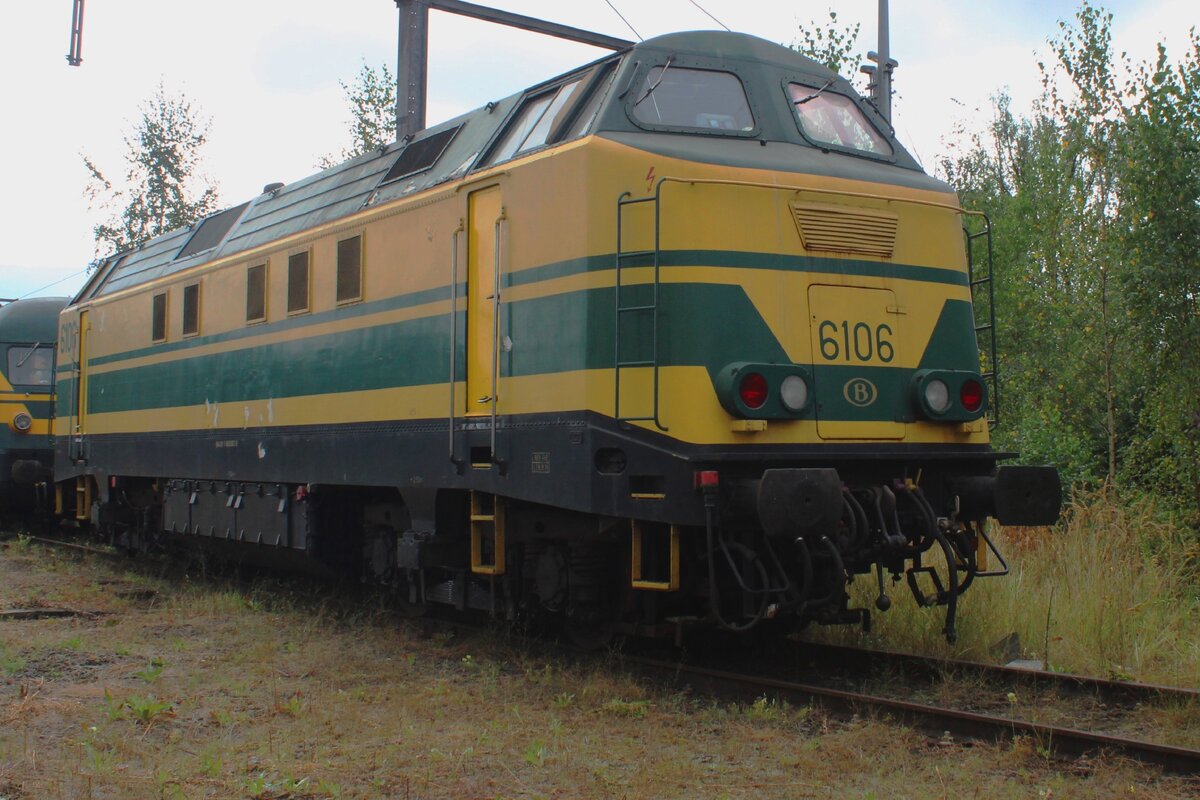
[681,337]
[28,331]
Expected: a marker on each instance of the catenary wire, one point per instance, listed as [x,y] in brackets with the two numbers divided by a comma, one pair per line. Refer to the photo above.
[622,16]
[710,16]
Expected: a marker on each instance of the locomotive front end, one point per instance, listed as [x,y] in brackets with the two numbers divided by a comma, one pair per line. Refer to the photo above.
[799,310]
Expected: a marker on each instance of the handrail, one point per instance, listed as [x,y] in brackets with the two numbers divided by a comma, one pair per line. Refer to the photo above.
[496,326]
[453,327]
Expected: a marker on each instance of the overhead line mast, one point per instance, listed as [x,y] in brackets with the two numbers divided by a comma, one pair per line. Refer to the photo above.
[412,56]
[881,72]
[75,57]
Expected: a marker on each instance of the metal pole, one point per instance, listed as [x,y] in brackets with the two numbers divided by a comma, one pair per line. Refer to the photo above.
[884,83]
[411,66]
[75,57]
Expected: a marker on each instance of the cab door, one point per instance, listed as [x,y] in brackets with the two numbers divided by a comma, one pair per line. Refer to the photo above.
[78,450]
[484,251]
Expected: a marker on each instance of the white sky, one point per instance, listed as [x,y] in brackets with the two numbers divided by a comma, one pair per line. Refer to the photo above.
[266,72]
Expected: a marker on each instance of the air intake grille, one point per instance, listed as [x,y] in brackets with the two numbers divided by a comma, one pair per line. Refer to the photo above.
[840,229]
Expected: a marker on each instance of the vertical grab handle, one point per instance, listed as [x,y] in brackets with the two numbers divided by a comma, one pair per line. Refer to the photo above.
[496,324]
[453,328]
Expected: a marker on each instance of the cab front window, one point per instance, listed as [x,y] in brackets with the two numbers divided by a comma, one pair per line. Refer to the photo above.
[829,118]
[698,99]
[30,366]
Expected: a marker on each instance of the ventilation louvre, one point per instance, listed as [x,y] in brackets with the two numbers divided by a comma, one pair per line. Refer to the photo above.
[840,229]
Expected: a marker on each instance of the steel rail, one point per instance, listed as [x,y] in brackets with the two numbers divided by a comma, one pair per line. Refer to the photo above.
[74,546]
[936,667]
[1062,741]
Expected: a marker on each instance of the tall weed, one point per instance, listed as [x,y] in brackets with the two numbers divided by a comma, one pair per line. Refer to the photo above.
[1112,590]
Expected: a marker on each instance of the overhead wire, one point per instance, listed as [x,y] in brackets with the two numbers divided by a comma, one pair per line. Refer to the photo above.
[710,16]
[49,285]
[627,23]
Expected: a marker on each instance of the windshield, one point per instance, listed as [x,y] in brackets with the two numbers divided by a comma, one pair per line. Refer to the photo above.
[30,366]
[676,97]
[832,118]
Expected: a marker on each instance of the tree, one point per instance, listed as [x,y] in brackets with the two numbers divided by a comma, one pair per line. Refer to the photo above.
[829,44]
[1094,196]
[1160,216]
[162,189]
[372,101]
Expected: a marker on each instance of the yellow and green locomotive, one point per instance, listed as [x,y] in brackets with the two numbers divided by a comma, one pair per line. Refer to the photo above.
[27,336]
[681,336]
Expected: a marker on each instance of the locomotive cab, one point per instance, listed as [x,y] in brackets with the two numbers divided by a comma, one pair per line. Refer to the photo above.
[27,339]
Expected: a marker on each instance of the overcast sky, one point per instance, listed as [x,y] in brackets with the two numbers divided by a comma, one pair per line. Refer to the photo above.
[266,72]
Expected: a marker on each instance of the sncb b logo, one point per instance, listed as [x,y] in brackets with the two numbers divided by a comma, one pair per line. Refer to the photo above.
[860,392]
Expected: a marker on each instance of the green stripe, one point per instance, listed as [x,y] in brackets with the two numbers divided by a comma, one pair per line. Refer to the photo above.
[708,325]
[669,258]
[291,323]
[741,260]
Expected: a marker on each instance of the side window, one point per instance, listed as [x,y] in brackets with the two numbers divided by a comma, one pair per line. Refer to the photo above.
[191,309]
[834,119]
[349,269]
[30,366]
[297,282]
[587,115]
[706,100]
[158,318]
[534,122]
[256,293]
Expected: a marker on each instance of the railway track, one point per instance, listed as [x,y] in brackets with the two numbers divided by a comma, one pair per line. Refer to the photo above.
[815,656]
[1059,740]
[856,665]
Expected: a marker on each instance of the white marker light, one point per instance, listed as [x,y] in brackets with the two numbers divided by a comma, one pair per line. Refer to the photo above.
[793,391]
[937,396]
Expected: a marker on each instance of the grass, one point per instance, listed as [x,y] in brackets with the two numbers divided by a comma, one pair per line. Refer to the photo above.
[1112,590]
[264,691]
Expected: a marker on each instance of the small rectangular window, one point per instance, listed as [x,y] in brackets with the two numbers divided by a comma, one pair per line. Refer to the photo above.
[298,282]
[256,293]
[191,309]
[349,269]
[158,321]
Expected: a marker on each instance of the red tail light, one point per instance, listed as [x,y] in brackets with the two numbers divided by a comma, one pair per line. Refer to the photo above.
[971,395]
[753,390]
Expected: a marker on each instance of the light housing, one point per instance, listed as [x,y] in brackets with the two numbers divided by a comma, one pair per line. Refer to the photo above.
[945,395]
[765,391]
[21,422]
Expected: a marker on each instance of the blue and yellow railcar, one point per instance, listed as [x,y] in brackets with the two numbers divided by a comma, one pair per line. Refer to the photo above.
[28,331]
[683,335]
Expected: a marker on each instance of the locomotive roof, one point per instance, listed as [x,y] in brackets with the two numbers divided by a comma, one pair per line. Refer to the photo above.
[31,320]
[445,152]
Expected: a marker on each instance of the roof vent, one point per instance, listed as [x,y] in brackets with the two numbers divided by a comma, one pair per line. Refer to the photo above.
[271,188]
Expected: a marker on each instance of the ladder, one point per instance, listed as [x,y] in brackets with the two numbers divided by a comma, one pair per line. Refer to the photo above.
[985,322]
[622,312]
[487,534]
